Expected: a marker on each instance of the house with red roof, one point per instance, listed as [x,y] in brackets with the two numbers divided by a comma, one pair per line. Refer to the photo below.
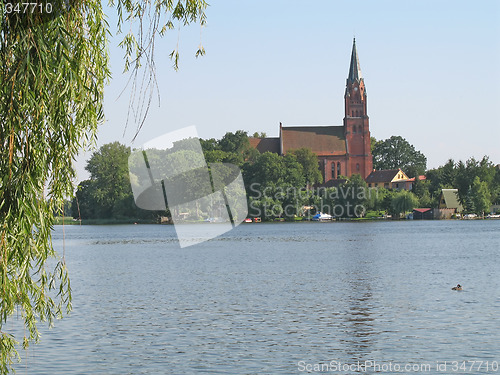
[411,181]
[423,214]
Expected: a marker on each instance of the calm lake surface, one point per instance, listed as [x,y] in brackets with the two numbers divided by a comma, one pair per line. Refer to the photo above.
[275,298]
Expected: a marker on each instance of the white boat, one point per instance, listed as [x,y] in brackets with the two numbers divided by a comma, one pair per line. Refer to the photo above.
[215,220]
[320,216]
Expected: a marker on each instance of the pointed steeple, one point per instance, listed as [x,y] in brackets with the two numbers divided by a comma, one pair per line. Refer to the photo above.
[354,69]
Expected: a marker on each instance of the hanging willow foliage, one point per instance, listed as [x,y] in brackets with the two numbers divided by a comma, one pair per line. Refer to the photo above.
[53,68]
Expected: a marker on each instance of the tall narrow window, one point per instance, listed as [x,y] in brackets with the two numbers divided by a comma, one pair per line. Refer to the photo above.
[352,113]
[333,170]
[354,129]
[338,170]
[357,167]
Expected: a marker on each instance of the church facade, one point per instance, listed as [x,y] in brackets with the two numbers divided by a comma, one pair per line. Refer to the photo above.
[342,150]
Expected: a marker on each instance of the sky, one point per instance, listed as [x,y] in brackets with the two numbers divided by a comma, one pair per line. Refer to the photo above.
[430,70]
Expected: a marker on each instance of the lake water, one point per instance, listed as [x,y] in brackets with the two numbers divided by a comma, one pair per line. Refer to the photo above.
[277,299]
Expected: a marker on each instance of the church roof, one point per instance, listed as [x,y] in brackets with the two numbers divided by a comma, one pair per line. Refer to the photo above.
[354,68]
[266,144]
[322,140]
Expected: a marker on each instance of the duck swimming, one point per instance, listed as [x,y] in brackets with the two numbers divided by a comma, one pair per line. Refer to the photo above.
[458,287]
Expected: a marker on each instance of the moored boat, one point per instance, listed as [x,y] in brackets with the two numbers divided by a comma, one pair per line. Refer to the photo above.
[320,216]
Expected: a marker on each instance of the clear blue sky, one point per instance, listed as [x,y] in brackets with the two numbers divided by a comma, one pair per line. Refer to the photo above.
[430,68]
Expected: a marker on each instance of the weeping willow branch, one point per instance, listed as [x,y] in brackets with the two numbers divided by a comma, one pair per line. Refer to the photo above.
[53,68]
[148,20]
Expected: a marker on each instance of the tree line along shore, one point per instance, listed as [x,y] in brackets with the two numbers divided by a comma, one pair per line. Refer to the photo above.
[290,187]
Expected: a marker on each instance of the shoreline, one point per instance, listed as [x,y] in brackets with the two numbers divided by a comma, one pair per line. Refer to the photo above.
[59,221]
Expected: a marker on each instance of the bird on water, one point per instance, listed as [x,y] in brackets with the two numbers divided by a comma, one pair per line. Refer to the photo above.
[458,287]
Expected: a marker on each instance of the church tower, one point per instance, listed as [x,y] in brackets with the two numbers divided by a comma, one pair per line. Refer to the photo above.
[356,127]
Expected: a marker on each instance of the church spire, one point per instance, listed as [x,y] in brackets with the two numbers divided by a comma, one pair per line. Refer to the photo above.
[354,69]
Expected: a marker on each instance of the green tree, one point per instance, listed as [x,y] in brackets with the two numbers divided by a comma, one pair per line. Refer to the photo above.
[218,156]
[468,203]
[421,189]
[52,74]
[277,181]
[65,209]
[252,154]
[464,179]
[209,144]
[233,148]
[107,193]
[108,168]
[448,173]
[266,170]
[236,143]
[309,162]
[84,205]
[353,197]
[386,203]
[480,196]
[467,172]
[396,152]
[426,201]
[259,135]
[495,191]
[377,199]
[434,178]
[403,201]
[373,142]
[294,172]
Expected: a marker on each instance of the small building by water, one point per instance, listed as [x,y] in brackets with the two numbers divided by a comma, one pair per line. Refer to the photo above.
[449,204]
[423,214]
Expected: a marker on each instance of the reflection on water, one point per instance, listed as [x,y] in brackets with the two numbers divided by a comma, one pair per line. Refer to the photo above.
[263,297]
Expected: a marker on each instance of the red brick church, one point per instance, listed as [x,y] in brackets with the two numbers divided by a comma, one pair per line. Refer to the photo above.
[342,150]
